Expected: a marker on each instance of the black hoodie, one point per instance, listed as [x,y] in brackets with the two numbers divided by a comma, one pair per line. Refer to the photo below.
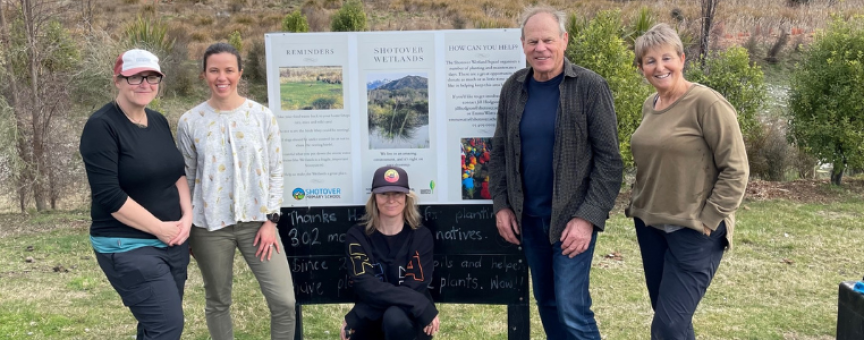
[371,275]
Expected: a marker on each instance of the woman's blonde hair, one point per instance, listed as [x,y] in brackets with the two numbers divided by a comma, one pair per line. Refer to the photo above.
[372,219]
[659,35]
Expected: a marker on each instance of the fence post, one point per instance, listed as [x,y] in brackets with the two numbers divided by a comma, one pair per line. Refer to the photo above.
[518,322]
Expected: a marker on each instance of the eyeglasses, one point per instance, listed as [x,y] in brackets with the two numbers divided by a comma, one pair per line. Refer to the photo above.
[137,80]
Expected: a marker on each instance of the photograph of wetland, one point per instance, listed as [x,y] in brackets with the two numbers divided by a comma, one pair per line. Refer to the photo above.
[311,88]
[398,106]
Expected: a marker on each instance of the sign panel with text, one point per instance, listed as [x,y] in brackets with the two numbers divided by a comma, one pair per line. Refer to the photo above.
[348,103]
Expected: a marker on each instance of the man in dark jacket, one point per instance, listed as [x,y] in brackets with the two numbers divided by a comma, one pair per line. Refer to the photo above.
[555,171]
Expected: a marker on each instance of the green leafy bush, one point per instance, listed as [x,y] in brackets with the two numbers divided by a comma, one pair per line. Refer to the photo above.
[730,73]
[349,18]
[236,40]
[295,22]
[596,44]
[826,99]
[61,51]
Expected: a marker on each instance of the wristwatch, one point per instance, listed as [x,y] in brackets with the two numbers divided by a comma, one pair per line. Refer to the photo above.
[274,217]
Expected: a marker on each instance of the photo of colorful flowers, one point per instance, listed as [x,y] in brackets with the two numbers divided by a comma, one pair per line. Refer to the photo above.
[474,172]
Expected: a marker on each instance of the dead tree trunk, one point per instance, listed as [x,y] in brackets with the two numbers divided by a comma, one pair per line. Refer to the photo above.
[708,10]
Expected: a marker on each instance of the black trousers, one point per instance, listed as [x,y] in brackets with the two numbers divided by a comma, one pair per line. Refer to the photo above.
[679,266]
[150,281]
[395,324]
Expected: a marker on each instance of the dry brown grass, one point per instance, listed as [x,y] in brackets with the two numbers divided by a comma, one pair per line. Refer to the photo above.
[202,20]
[201,36]
[736,20]
[243,19]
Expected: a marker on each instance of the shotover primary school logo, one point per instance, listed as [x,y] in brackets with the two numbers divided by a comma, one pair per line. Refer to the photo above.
[391,176]
[298,194]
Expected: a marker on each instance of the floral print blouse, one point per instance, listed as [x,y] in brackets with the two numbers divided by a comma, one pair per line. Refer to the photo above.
[233,163]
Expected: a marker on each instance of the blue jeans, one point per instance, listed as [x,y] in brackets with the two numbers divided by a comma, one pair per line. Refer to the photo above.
[560,283]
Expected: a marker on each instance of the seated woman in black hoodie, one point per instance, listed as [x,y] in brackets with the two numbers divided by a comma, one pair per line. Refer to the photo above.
[391,265]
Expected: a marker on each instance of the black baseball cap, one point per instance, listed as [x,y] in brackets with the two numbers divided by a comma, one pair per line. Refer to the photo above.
[390,179]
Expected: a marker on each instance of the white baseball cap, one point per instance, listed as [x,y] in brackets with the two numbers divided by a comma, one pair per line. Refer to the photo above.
[132,62]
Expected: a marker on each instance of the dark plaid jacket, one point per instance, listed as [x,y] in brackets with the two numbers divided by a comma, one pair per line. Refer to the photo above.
[586,162]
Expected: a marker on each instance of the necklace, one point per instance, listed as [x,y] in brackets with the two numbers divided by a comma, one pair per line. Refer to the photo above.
[130,117]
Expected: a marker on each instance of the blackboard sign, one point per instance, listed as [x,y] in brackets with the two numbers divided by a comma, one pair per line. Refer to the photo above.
[473,264]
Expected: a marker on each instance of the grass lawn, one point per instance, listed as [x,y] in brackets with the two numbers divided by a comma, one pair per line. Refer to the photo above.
[779,283]
[299,95]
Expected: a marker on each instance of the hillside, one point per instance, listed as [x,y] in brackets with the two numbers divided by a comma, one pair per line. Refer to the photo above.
[197,23]
[409,82]
[95,31]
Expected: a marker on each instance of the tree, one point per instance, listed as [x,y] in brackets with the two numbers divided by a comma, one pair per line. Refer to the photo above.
[826,99]
[598,45]
[37,58]
[350,18]
[295,22]
[709,7]
[730,73]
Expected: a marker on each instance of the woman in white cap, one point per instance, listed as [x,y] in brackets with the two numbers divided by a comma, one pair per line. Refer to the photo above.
[231,146]
[391,257]
[141,208]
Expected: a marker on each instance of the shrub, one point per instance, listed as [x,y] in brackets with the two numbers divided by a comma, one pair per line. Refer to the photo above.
[59,51]
[204,20]
[804,163]
[598,46]
[256,63]
[768,152]
[730,73]
[148,10]
[323,103]
[295,22]
[237,5]
[826,100]
[181,74]
[149,34]
[236,40]
[319,20]
[244,19]
[200,36]
[91,84]
[350,18]
[643,22]
[458,22]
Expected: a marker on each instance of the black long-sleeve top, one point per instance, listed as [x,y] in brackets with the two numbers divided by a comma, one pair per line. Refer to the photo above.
[123,160]
[382,278]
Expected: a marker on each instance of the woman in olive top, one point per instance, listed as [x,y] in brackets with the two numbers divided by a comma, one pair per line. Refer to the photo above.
[691,173]
[141,208]
[391,265]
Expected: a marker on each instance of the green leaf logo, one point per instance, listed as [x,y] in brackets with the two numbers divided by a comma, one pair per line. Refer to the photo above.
[432,185]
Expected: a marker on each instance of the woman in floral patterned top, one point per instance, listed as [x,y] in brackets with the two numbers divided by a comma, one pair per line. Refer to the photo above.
[231,146]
